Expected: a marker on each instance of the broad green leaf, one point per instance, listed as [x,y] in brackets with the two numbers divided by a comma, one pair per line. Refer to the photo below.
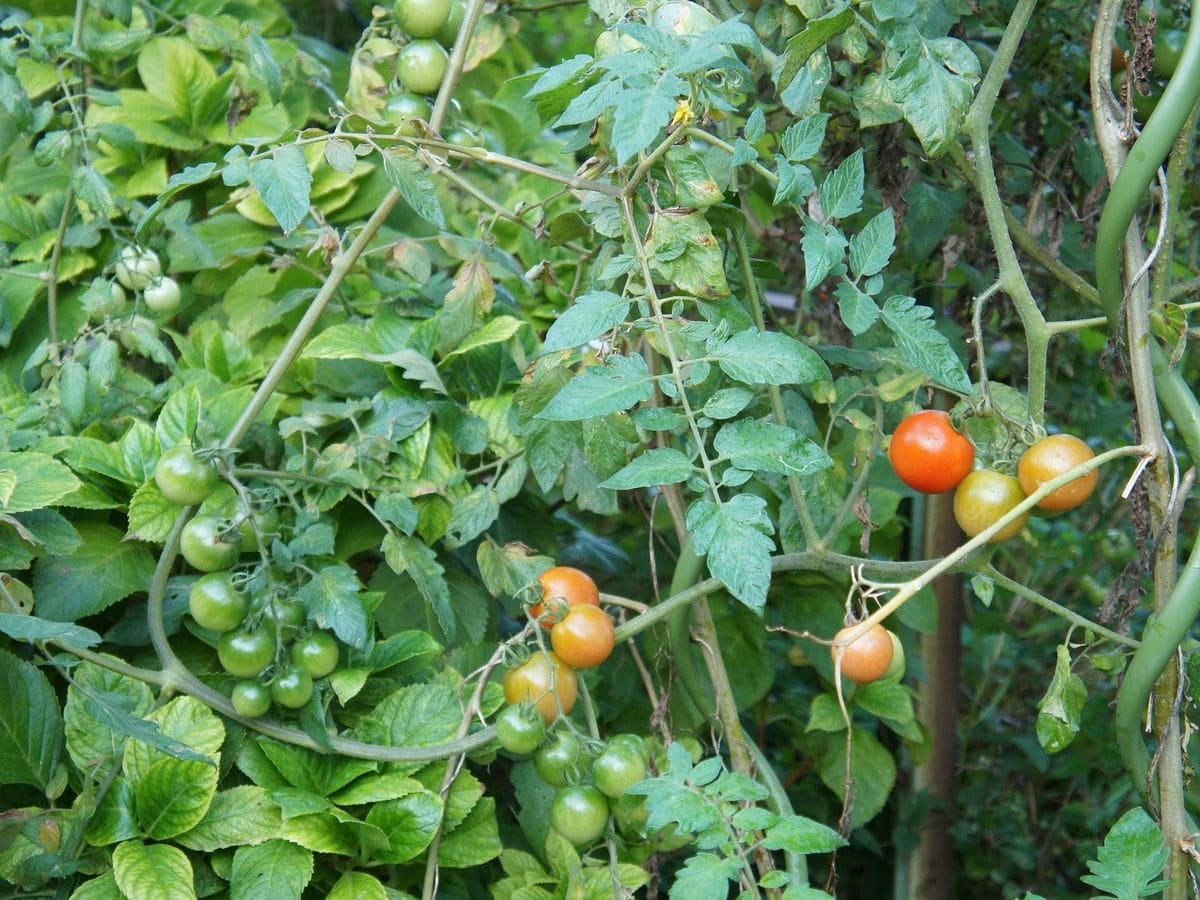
[802,140]
[735,538]
[177,423]
[151,515]
[183,721]
[495,331]
[705,876]
[156,871]
[815,34]
[358,886]
[189,177]
[654,467]
[275,870]
[333,601]
[858,310]
[31,726]
[417,715]
[922,345]
[1130,862]
[842,191]
[243,815]
[767,447]
[683,251]
[1060,709]
[90,741]
[872,247]
[615,386]
[102,888]
[173,796]
[934,84]
[769,357]
[34,480]
[32,629]
[410,556]
[284,182]
[586,319]
[375,788]
[409,823]
[824,247]
[473,841]
[872,768]
[325,833]
[307,770]
[103,570]
[643,111]
[116,816]
[410,178]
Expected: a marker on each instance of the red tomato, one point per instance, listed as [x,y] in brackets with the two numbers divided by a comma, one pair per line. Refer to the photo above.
[928,454]
[563,586]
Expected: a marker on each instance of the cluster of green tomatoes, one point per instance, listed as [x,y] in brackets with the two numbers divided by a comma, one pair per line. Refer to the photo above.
[262,642]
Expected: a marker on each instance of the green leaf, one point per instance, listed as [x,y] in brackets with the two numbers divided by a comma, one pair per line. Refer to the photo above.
[116,816]
[815,34]
[410,178]
[34,481]
[102,888]
[859,311]
[683,251]
[802,140]
[332,597]
[934,84]
[475,840]
[872,768]
[103,570]
[151,515]
[358,886]
[244,815]
[410,556]
[767,447]
[414,716]
[184,730]
[473,514]
[409,823]
[495,331]
[275,870]
[842,192]
[284,182]
[586,319]
[872,247]
[615,386]
[1060,709]
[922,345]
[189,177]
[824,247]
[154,871]
[769,357]
[654,467]
[705,876]
[31,726]
[1130,861]
[643,110]
[735,537]
[173,796]
[756,125]
[32,629]
[90,741]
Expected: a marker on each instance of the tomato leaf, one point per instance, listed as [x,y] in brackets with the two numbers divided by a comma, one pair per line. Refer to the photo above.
[922,345]
[735,538]
[284,182]
[1131,859]
[1060,709]
[31,727]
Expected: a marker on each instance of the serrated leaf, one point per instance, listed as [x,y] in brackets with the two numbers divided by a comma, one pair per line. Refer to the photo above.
[824,247]
[409,556]
[243,815]
[858,310]
[173,795]
[333,601]
[654,467]
[409,823]
[934,84]
[705,876]
[802,140]
[767,447]
[33,629]
[586,319]
[769,357]
[275,870]
[842,191]
[151,515]
[35,481]
[735,538]
[872,768]
[101,571]
[798,834]
[622,382]
[284,183]
[922,345]
[872,247]
[153,870]
[31,726]
[1131,859]
[410,178]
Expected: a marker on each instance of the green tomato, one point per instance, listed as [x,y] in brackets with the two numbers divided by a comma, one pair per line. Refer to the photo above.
[136,268]
[208,546]
[316,654]
[245,654]
[292,688]
[562,761]
[216,603]
[401,109]
[449,32]
[520,730]
[105,300]
[422,18]
[267,522]
[617,769]
[162,295]
[250,699]
[464,137]
[184,479]
[896,669]
[284,618]
[580,814]
[634,742]
[421,66]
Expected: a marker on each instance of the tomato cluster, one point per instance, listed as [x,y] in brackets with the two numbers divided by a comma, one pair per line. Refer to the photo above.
[141,270]
[930,455]
[433,26]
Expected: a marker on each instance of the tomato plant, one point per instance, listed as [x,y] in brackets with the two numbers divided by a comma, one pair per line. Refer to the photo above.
[292,688]
[208,545]
[585,637]
[216,603]
[421,66]
[520,730]
[317,654]
[869,657]
[617,769]
[983,498]
[545,682]
[246,654]
[1053,456]
[183,478]
[928,454]
[580,814]
[562,588]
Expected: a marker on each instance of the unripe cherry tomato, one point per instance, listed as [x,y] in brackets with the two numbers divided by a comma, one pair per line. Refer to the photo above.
[563,586]
[585,638]
[985,496]
[245,654]
[867,659]
[316,654]
[562,761]
[401,109]
[617,769]
[182,478]
[928,454]
[580,814]
[162,295]
[422,18]
[520,730]
[1053,456]
[208,546]
[251,699]
[421,66]
[545,682]
[292,688]
[136,268]
[449,32]
[216,603]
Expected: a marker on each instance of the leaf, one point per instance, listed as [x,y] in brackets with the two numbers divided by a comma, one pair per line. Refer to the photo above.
[32,629]
[735,537]
[358,886]
[798,834]
[409,556]
[496,331]
[767,447]
[272,871]
[815,34]
[189,177]
[590,316]
[643,110]
[873,770]
[184,730]
[173,796]
[769,357]
[934,84]
[333,601]
[858,310]
[615,386]
[90,741]
[824,247]
[704,876]
[409,823]
[244,815]
[1131,859]
[410,178]
[102,570]
[473,514]
[151,515]
[654,467]
[284,182]
[414,716]
[31,726]
[466,303]
[1060,709]
[474,841]
[842,191]
[802,140]
[34,481]
[872,247]
[922,345]
[153,870]
[683,251]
